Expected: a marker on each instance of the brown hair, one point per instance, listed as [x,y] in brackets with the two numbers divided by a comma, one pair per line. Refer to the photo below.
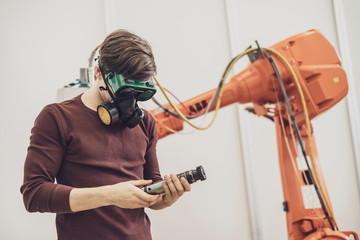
[128,54]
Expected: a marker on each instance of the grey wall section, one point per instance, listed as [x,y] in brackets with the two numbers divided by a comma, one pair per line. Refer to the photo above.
[44,43]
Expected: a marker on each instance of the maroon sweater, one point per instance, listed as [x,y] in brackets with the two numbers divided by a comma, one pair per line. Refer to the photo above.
[69,144]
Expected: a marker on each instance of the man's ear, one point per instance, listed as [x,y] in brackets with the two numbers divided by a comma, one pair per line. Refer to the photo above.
[97,69]
[97,72]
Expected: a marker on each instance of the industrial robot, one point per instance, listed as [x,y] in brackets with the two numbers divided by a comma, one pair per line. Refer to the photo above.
[289,83]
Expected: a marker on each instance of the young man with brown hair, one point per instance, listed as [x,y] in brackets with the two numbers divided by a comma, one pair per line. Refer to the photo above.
[99,169]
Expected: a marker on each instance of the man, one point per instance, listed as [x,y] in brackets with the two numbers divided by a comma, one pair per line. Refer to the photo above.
[99,169]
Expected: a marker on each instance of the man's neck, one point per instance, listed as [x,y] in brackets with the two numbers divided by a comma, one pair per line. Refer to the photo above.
[92,98]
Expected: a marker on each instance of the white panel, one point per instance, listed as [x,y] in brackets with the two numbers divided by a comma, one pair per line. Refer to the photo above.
[347,33]
[352,102]
[66,93]
[236,45]
[351,9]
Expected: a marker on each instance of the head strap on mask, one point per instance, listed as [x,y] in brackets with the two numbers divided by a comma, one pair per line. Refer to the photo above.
[106,84]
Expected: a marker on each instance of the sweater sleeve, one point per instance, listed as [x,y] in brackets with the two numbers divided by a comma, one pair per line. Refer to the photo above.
[43,161]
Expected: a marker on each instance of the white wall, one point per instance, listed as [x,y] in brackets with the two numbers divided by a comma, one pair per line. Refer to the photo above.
[44,43]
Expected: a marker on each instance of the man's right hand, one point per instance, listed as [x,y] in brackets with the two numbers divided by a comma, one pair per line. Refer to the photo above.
[129,195]
[124,195]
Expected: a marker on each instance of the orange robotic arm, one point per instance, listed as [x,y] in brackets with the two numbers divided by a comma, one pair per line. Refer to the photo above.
[323,82]
[315,63]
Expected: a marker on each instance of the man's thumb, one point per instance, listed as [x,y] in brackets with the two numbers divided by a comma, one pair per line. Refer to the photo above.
[139,183]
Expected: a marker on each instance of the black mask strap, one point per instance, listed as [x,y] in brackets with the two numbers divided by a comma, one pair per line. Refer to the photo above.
[107,86]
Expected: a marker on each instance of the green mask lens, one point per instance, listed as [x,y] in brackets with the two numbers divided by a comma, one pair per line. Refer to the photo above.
[144,96]
[123,88]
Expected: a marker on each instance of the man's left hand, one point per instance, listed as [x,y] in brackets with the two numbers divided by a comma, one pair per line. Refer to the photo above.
[174,188]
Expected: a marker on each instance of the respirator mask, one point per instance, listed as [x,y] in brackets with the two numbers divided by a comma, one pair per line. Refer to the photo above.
[125,94]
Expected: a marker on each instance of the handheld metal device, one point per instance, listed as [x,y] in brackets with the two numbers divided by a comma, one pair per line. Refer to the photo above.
[191,176]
